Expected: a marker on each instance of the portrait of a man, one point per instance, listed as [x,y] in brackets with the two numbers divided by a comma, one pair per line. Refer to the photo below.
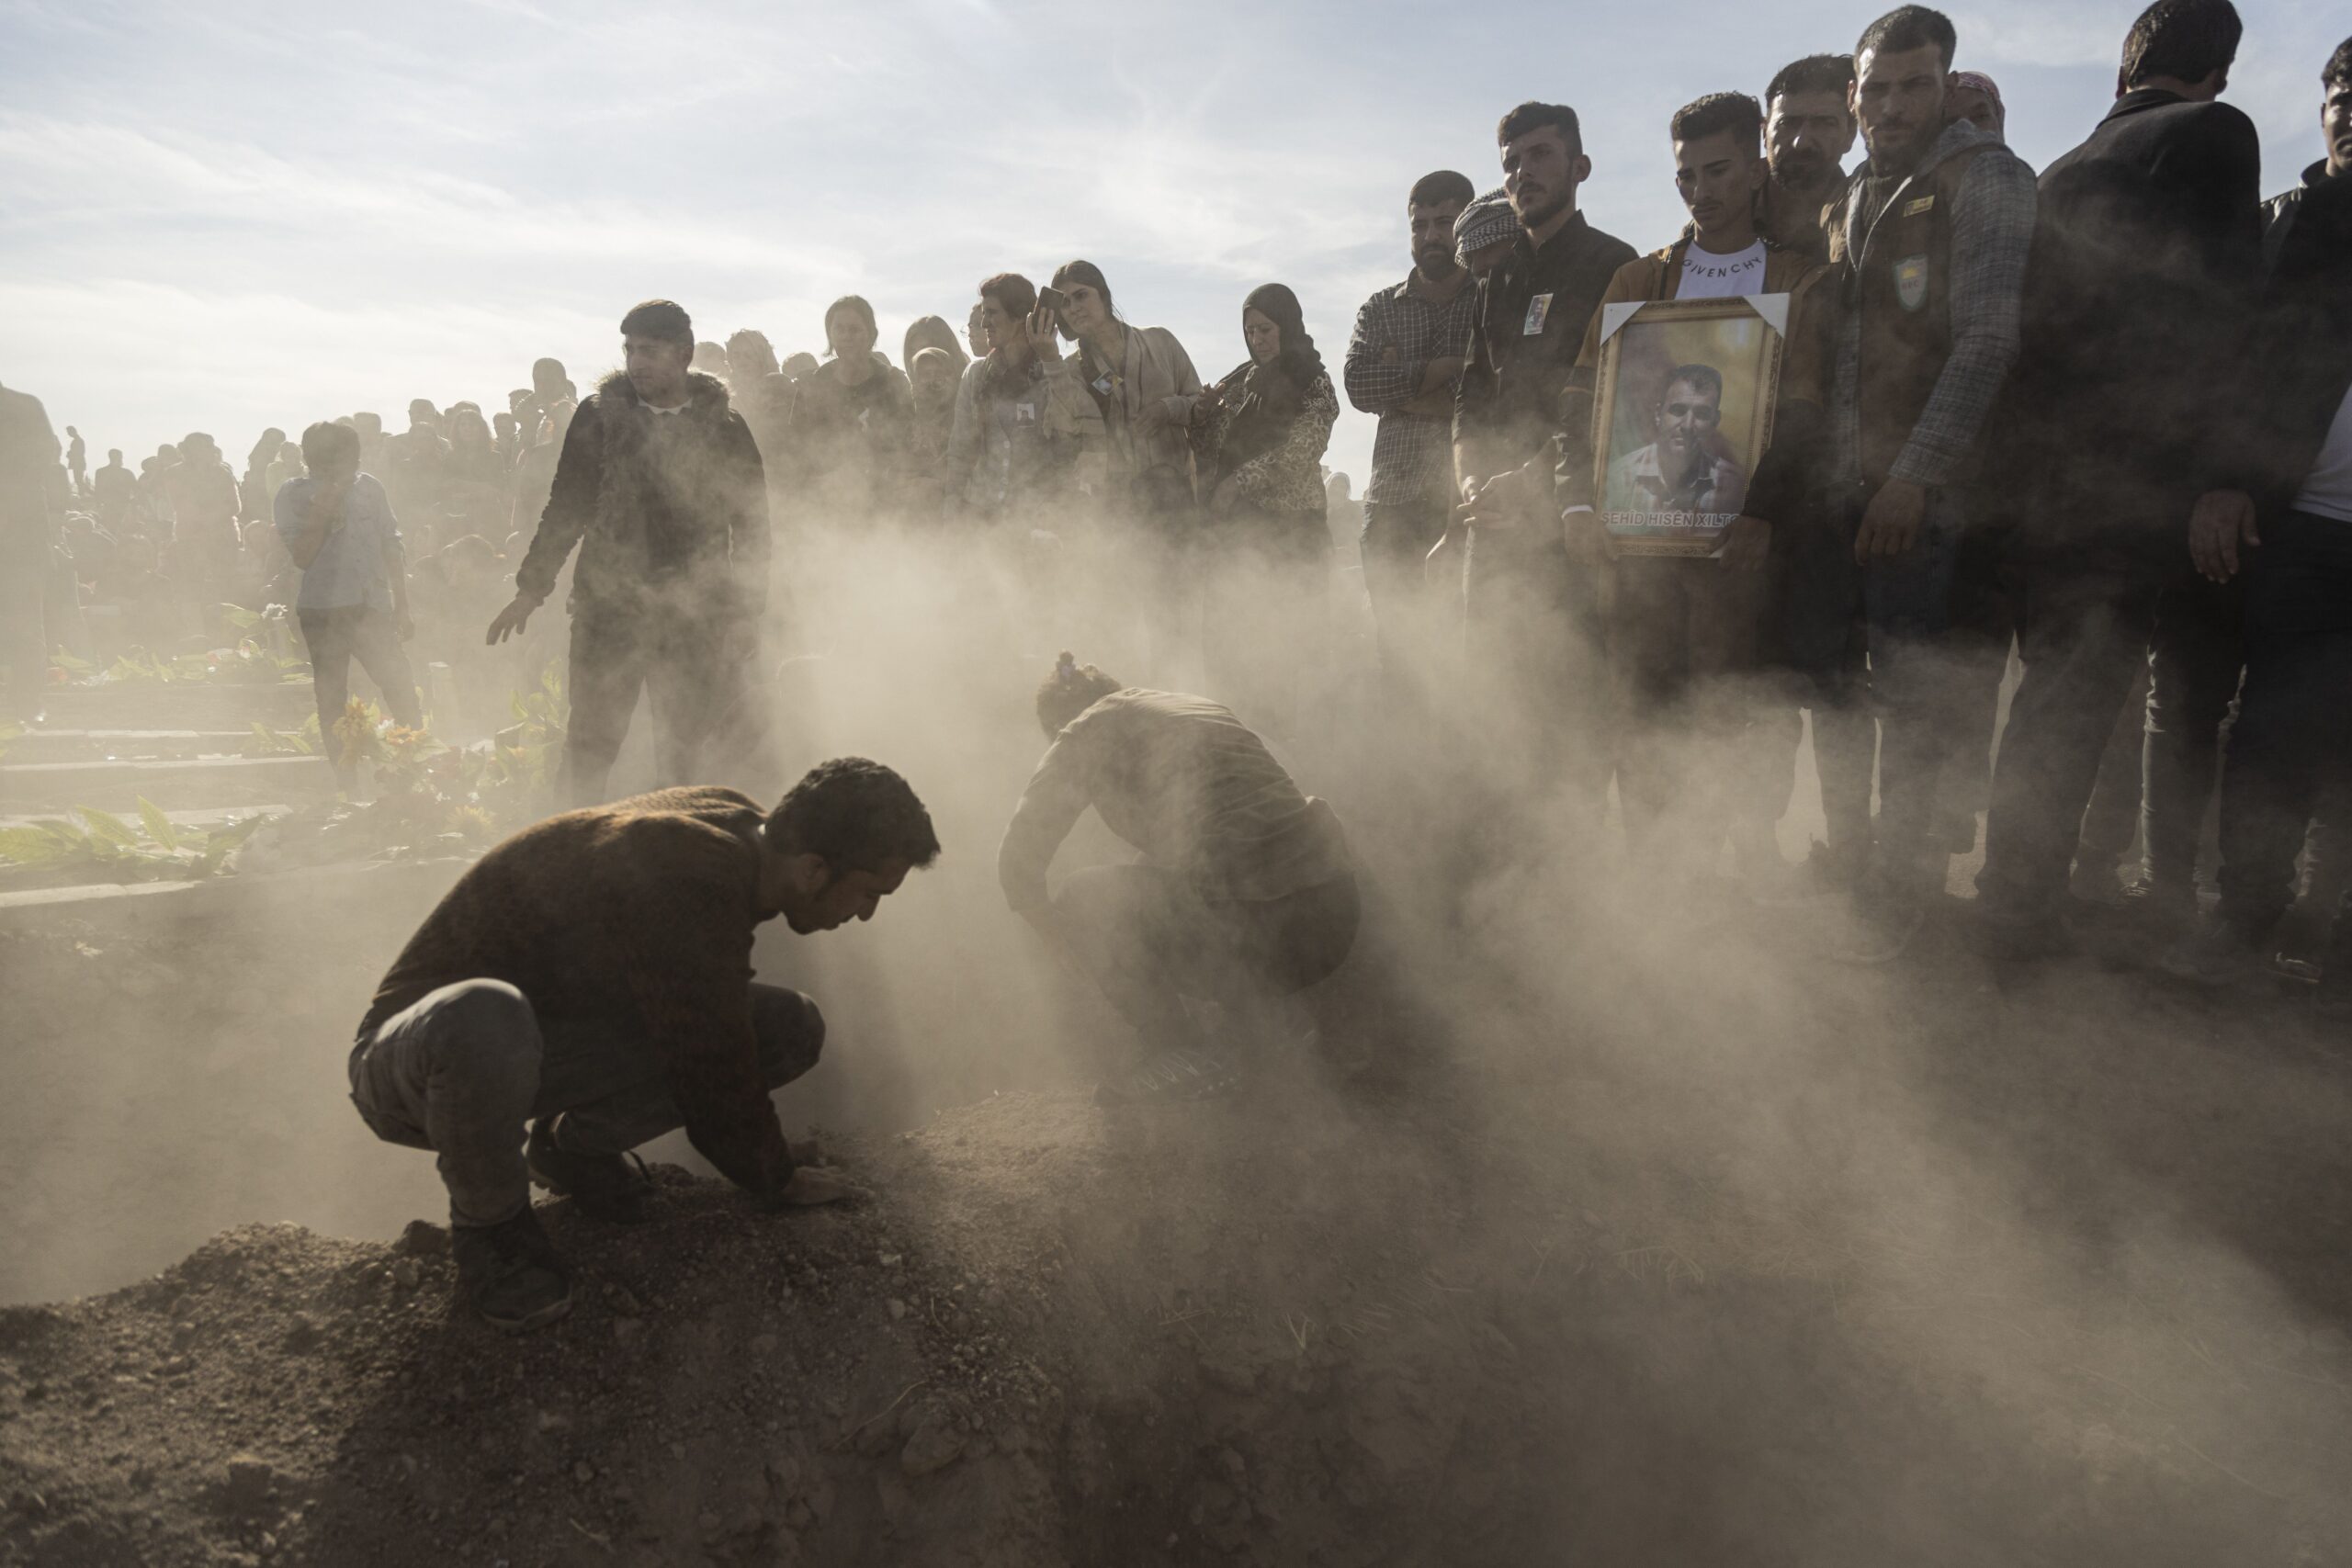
[1687,467]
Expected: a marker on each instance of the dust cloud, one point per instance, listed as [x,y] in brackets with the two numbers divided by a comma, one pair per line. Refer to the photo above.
[1788,1261]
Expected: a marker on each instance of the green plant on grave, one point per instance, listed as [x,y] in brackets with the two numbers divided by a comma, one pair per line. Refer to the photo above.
[527,752]
[302,742]
[104,846]
[248,663]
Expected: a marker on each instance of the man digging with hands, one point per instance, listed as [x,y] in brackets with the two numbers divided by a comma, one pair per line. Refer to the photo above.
[591,978]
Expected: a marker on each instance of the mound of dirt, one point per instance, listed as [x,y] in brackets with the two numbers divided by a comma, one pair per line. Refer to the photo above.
[1283,1331]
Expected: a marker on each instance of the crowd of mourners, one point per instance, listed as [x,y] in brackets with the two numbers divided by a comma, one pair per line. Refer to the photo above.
[2092,423]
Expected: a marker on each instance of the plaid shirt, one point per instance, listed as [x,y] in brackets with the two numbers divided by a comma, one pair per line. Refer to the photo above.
[1397,333]
[1991,230]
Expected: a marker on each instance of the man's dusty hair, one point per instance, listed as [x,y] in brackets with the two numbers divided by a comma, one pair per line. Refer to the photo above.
[1717,113]
[663,318]
[1907,28]
[854,815]
[2186,40]
[1437,190]
[1536,116]
[1813,74]
[2337,71]
[1070,691]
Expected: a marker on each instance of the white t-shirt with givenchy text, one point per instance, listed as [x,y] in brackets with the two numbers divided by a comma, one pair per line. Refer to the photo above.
[1706,276]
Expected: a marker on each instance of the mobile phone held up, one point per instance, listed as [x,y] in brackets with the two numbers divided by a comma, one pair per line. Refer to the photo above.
[1052,300]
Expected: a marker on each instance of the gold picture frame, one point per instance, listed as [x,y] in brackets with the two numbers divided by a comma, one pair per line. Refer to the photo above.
[1682,412]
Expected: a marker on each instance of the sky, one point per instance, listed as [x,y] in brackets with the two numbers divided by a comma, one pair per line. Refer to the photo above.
[231,216]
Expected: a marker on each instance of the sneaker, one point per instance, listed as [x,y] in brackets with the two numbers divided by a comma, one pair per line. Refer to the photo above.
[603,1187]
[510,1272]
[2218,952]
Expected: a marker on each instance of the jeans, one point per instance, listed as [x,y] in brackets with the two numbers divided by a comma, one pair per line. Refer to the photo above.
[2293,737]
[1922,679]
[462,1070]
[696,694]
[1150,940]
[335,638]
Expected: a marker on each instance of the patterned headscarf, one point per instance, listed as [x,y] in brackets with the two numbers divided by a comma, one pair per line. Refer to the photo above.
[1976,82]
[1485,222]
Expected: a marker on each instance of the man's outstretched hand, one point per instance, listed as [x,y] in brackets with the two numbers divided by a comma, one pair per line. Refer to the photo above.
[810,1185]
[512,619]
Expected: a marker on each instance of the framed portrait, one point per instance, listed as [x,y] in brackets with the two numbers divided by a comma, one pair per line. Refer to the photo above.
[1681,413]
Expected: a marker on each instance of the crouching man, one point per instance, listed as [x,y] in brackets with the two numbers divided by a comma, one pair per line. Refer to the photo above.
[590,979]
[1245,888]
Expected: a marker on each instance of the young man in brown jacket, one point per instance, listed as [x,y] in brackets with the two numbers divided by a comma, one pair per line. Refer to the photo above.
[1686,634]
[592,978]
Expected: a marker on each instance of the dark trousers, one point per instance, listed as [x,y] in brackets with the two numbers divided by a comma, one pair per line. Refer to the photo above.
[1824,640]
[1924,679]
[464,1070]
[679,662]
[1150,940]
[2084,633]
[1534,644]
[337,636]
[1407,611]
[2196,653]
[2293,735]
[1708,743]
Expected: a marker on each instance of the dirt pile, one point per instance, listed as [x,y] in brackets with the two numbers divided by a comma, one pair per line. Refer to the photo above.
[1300,1328]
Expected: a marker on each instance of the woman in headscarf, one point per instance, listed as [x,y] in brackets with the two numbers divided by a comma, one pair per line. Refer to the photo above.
[1260,434]
[852,421]
[1143,383]
[931,331]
